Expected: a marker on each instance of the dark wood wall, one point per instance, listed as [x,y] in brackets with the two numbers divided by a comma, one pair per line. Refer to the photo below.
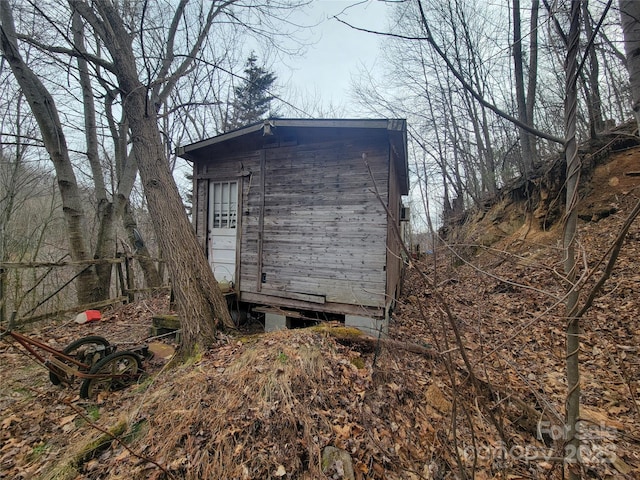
[395,262]
[312,232]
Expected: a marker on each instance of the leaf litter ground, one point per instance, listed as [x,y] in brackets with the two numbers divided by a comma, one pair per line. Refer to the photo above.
[264,406]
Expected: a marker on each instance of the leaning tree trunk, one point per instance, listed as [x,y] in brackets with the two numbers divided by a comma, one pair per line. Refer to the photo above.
[44,110]
[572,409]
[630,18]
[200,302]
[532,77]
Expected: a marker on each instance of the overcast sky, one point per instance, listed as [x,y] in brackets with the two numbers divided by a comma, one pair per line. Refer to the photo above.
[339,52]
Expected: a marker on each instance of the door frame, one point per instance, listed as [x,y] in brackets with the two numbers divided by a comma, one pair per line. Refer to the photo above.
[238,228]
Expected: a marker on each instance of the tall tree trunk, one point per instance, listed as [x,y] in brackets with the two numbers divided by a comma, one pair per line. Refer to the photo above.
[106,241]
[630,18]
[44,110]
[201,304]
[489,157]
[126,172]
[532,81]
[451,173]
[152,277]
[525,137]
[596,122]
[572,409]
[479,114]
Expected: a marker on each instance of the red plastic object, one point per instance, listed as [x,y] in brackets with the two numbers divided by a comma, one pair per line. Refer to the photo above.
[88,316]
[92,315]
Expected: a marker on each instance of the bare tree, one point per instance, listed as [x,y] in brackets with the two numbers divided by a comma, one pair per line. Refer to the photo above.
[525,105]
[105,243]
[201,304]
[44,109]
[580,69]
[139,60]
[569,244]
[592,93]
[630,18]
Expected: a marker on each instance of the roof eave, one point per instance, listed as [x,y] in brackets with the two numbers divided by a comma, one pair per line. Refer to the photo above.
[396,128]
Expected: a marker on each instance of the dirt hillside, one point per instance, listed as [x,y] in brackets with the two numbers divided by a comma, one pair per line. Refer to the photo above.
[470,382]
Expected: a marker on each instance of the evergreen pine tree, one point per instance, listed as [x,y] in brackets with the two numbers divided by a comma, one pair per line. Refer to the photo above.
[252,99]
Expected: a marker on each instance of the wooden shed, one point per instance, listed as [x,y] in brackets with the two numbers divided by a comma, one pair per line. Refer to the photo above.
[287,211]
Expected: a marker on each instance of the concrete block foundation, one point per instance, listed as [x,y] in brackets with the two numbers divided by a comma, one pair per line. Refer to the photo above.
[273,322]
[369,326]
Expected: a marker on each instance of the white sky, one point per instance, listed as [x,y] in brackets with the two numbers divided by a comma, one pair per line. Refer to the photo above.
[340,51]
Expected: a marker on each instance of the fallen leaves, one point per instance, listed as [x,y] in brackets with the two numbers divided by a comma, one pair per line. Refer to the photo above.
[36,424]
[437,400]
[266,406]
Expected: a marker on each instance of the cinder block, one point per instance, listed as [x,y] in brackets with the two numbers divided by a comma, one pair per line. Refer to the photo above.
[369,326]
[273,322]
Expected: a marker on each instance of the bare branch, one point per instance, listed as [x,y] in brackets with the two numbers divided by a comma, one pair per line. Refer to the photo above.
[72,52]
[467,86]
[188,59]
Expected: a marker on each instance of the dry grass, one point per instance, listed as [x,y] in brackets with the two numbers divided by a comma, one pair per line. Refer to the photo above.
[245,415]
[267,408]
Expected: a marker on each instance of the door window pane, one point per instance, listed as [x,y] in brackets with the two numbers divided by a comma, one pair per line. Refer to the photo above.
[224,204]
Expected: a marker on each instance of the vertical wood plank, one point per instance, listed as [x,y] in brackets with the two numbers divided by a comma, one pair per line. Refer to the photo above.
[200,214]
[263,162]
[120,275]
[130,282]
[239,215]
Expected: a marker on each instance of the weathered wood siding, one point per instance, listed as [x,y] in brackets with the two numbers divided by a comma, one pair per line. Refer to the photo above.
[312,226]
[233,167]
[312,229]
[394,251]
[324,231]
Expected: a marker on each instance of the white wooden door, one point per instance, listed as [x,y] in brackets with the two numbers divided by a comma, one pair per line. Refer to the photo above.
[222,222]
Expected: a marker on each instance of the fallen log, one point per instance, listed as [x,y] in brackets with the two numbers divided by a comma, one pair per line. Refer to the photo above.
[350,336]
